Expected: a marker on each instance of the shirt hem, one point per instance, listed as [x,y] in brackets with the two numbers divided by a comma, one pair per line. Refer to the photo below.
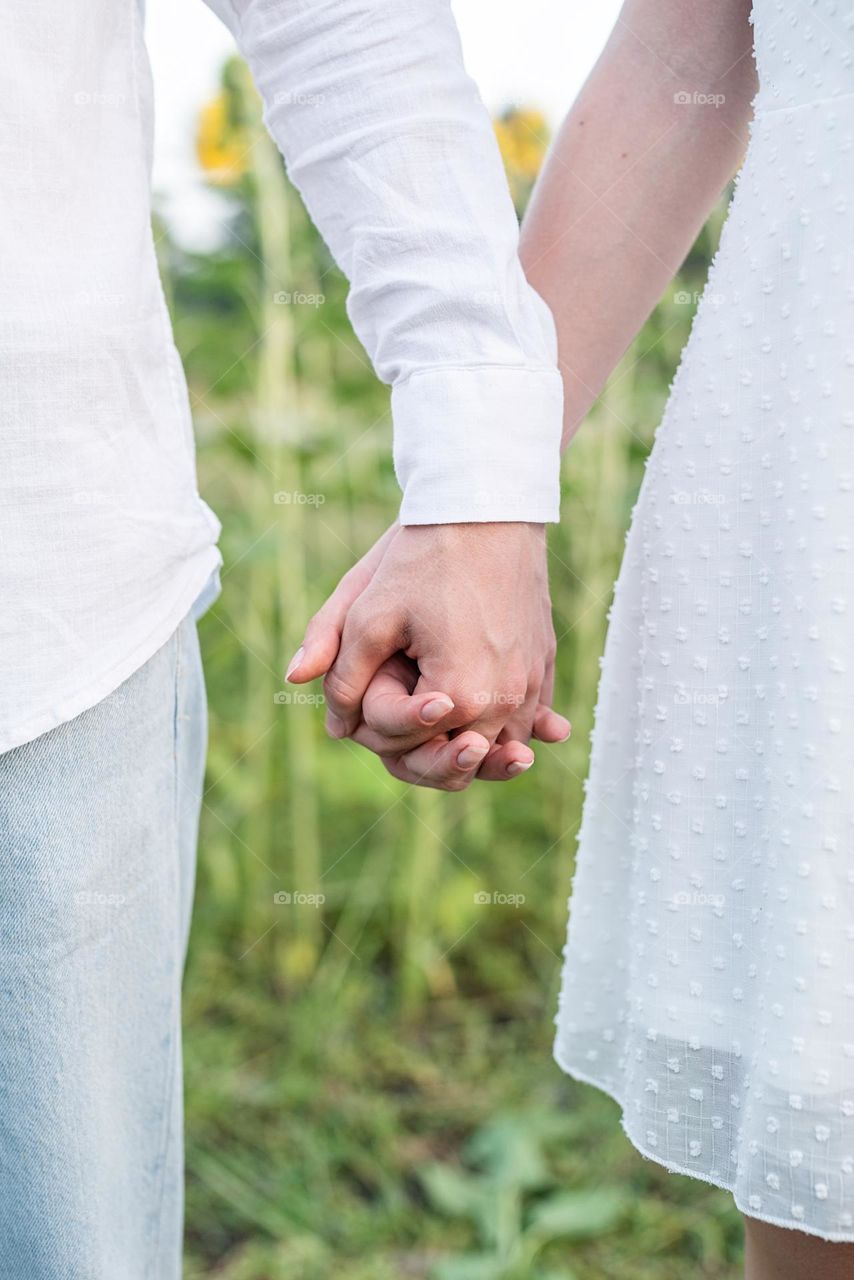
[94,692]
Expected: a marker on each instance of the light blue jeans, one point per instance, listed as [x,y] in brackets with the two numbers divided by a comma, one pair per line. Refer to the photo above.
[98,825]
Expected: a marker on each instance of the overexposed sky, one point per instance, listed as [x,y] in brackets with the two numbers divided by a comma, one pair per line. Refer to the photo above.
[535,52]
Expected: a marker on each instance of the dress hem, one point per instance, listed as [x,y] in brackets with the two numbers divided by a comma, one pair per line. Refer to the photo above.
[833,1237]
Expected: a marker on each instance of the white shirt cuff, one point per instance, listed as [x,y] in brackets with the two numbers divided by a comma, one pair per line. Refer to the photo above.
[478,444]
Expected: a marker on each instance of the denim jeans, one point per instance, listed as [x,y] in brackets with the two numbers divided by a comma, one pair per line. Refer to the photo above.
[98,825]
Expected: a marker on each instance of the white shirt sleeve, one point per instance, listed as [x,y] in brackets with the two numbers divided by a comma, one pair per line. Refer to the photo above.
[386,139]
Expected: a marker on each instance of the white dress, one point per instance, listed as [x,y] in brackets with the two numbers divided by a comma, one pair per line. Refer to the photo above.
[708,983]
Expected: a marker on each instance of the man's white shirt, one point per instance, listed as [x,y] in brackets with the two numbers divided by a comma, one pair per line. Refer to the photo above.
[105,544]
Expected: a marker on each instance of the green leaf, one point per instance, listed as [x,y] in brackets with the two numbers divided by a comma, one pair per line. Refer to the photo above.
[508,1150]
[578,1215]
[474,1266]
[452,1192]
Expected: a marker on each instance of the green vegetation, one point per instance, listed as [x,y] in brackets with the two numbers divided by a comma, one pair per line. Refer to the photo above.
[370,1089]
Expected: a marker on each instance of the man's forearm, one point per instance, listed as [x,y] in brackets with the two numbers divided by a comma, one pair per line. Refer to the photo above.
[655,134]
[395,156]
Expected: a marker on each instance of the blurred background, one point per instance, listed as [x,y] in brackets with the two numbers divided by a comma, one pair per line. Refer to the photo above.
[373,970]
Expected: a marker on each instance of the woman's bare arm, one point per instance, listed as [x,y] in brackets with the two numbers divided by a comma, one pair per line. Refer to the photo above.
[655,134]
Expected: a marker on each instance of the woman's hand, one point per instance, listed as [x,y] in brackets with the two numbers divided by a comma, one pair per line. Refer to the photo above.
[438,651]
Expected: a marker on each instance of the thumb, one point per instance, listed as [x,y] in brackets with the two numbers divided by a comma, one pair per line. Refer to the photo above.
[371,635]
[322,639]
[549,726]
[319,648]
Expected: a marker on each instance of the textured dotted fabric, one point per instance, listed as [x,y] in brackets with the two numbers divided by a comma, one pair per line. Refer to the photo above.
[709,971]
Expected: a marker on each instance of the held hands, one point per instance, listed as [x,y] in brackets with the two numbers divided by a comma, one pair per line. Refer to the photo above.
[438,652]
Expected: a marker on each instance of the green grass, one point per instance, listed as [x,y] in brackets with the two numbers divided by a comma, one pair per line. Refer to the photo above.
[317,1123]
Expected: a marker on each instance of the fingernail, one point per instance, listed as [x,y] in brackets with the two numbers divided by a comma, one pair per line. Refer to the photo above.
[436,709]
[295,661]
[335,726]
[470,756]
[518,766]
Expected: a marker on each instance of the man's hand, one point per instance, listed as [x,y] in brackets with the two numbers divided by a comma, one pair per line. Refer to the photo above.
[438,650]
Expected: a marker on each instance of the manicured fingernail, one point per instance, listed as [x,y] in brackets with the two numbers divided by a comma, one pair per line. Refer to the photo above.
[518,766]
[436,709]
[295,661]
[470,756]
[335,726]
